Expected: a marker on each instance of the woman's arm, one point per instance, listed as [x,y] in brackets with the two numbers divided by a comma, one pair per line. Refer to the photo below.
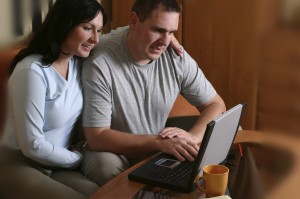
[176,46]
[28,93]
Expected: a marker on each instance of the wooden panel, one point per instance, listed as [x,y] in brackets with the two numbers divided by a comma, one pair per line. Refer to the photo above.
[281,76]
[243,62]
[224,47]
[284,102]
[279,84]
[278,123]
[107,5]
[120,12]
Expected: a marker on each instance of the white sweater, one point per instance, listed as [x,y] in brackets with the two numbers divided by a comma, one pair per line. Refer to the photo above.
[42,110]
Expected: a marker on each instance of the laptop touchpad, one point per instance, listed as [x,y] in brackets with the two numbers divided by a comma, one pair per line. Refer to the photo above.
[169,163]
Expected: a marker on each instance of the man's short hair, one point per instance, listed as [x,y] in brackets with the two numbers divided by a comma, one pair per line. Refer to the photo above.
[144,8]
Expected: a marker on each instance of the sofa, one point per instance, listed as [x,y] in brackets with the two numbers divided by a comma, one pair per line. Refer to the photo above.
[6,57]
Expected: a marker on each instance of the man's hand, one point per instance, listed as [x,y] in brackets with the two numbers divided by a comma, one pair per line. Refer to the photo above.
[183,149]
[171,132]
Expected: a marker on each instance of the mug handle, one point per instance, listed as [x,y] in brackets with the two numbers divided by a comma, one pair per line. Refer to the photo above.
[197,179]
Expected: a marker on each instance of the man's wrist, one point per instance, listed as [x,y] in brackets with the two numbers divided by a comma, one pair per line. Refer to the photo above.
[157,143]
[196,136]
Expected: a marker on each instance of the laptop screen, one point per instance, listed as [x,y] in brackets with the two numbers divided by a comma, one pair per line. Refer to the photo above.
[219,138]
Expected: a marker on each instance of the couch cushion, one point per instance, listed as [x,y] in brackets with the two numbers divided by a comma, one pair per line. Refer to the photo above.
[5,60]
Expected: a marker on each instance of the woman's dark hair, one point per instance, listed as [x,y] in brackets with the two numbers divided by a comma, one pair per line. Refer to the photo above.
[59,22]
[144,8]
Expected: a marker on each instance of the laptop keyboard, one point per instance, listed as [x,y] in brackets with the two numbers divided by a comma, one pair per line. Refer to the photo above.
[178,175]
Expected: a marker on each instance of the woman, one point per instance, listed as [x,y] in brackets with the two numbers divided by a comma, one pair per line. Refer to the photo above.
[45,101]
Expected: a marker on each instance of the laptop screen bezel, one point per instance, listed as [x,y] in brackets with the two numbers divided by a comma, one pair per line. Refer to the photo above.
[208,132]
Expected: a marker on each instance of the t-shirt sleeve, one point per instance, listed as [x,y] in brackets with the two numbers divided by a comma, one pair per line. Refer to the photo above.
[194,85]
[97,94]
[28,101]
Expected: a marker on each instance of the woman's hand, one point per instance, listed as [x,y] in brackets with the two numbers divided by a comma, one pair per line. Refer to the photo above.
[176,46]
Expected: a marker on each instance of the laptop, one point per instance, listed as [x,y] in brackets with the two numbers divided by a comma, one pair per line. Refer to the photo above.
[166,171]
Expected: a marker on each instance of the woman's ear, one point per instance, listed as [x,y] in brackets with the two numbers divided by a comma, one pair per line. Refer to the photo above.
[133,19]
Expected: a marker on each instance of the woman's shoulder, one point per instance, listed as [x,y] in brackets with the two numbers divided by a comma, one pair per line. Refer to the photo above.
[31,64]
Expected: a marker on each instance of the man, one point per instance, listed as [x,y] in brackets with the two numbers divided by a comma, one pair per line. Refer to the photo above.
[131,82]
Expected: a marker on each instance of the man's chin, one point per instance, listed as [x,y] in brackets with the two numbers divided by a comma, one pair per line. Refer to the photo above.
[153,57]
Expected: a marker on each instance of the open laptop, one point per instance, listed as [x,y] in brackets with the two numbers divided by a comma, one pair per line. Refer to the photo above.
[167,172]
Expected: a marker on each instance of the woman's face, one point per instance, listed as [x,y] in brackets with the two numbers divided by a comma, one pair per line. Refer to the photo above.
[82,39]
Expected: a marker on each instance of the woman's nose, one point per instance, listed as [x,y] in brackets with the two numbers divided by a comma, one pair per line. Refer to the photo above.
[94,38]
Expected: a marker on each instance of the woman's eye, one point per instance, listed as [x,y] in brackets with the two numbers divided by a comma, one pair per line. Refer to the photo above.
[87,28]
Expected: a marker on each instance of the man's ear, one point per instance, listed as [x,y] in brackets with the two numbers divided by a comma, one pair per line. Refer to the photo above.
[133,19]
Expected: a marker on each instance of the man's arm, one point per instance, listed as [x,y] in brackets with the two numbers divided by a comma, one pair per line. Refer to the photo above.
[208,112]
[106,139]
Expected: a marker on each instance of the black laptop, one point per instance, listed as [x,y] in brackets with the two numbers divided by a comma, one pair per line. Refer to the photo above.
[166,171]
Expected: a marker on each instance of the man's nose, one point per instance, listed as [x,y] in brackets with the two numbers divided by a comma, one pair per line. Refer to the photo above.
[165,38]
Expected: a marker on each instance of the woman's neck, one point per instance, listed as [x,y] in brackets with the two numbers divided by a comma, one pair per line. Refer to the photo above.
[61,65]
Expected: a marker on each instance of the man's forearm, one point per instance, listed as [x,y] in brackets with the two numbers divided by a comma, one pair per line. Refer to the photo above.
[121,142]
[207,113]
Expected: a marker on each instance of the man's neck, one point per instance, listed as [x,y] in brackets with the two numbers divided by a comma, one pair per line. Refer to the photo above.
[130,41]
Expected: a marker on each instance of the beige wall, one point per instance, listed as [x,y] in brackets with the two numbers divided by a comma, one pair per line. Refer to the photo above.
[7,38]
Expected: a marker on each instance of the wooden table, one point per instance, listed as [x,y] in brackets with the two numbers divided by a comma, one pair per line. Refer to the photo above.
[121,187]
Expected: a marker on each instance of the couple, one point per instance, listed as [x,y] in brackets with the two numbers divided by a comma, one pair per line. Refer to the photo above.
[130,82]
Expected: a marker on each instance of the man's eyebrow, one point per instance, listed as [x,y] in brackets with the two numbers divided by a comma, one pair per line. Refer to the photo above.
[162,29]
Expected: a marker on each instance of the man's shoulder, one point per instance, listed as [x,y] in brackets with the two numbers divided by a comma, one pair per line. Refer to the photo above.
[170,57]
[173,57]
[112,39]
[109,46]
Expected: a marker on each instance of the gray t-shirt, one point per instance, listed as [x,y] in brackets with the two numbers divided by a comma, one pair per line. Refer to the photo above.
[120,93]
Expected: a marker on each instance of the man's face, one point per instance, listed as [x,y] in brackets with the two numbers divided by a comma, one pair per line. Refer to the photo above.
[153,36]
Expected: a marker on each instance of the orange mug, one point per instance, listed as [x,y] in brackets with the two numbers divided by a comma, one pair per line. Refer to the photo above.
[215,179]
